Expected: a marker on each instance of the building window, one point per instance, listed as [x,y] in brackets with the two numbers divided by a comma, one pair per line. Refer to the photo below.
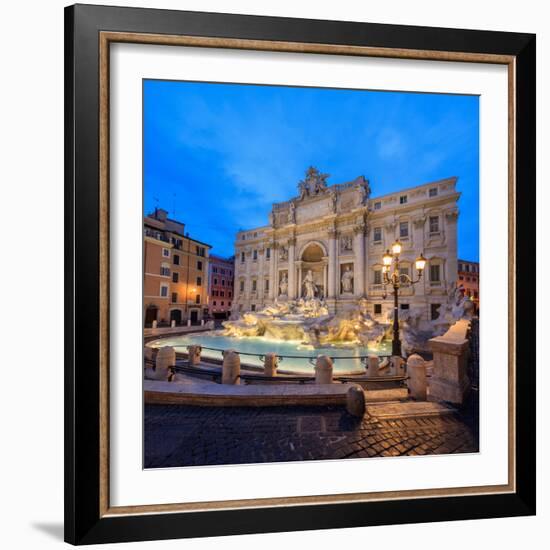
[215,281]
[461,278]
[174,297]
[165,270]
[223,282]
[199,281]
[198,299]
[254,285]
[175,277]
[404,230]
[476,294]
[253,307]
[460,268]
[243,237]
[404,271]
[377,234]
[223,303]
[164,291]
[166,252]
[434,224]
[434,311]
[242,257]
[378,309]
[255,255]
[229,294]
[267,253]
[176,259]
[199,265]
[214,270]
[200,250]
[377,276]
[377,205]
[404,306]
[266,285]
[214,303]
[435,273]
[403,199]
[222,294]
[432,192]
[228,304]
[241,286]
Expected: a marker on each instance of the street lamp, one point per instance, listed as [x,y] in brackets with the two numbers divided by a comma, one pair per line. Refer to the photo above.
[396,279]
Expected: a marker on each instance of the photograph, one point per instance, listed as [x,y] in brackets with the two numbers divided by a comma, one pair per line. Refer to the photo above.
[311,273]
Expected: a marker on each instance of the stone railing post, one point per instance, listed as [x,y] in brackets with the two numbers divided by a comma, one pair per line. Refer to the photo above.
[270,364]
[166,357]
[373,365]
[173,323]
[231,368]
[194,353]
[397,365]
[417,382]
[323,370]
[449,381]
[154,324]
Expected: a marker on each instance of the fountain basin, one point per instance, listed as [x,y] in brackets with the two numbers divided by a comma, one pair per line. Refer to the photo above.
[295,355]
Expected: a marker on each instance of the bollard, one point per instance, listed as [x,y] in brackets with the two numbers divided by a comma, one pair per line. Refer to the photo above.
[188,322]
[323,370]
[397,365]
[355,401]
[373,365]
[202,322]
[166,357]
[173,323]
[270,364]
[148,353]
[154,324]
[194,353]
[417,382]
[231,369]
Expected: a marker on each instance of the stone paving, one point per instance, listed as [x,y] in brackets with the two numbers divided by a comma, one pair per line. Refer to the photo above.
[178,435]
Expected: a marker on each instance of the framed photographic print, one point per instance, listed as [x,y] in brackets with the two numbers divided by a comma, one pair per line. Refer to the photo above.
[296,274]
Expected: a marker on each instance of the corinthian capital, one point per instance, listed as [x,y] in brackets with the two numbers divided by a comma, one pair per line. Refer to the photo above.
[419,222]
[451,215]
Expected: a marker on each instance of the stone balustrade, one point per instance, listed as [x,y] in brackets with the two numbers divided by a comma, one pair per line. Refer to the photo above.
[449,381]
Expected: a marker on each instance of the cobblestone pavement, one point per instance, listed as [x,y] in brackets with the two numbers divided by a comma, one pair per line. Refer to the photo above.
[184,436]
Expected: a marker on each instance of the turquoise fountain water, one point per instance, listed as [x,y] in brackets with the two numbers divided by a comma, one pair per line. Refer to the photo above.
[295,355]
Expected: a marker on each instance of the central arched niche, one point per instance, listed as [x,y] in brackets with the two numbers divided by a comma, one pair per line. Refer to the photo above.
[312,260]
[312,253]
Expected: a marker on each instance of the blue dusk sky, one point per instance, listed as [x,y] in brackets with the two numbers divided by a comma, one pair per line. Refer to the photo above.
[216,156]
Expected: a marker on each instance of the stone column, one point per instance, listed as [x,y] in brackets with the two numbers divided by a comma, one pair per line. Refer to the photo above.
[451,265]
[260,282]
[299,289]
[273,282]
[359,266]
[231,368]
[332,259]
[291,269]
[325,278]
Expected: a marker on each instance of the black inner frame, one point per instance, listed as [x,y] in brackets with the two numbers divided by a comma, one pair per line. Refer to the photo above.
[83,524]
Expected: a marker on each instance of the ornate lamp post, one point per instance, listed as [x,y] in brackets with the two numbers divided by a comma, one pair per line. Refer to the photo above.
[396,279]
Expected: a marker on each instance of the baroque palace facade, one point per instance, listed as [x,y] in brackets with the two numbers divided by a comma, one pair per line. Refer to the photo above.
[329,240]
